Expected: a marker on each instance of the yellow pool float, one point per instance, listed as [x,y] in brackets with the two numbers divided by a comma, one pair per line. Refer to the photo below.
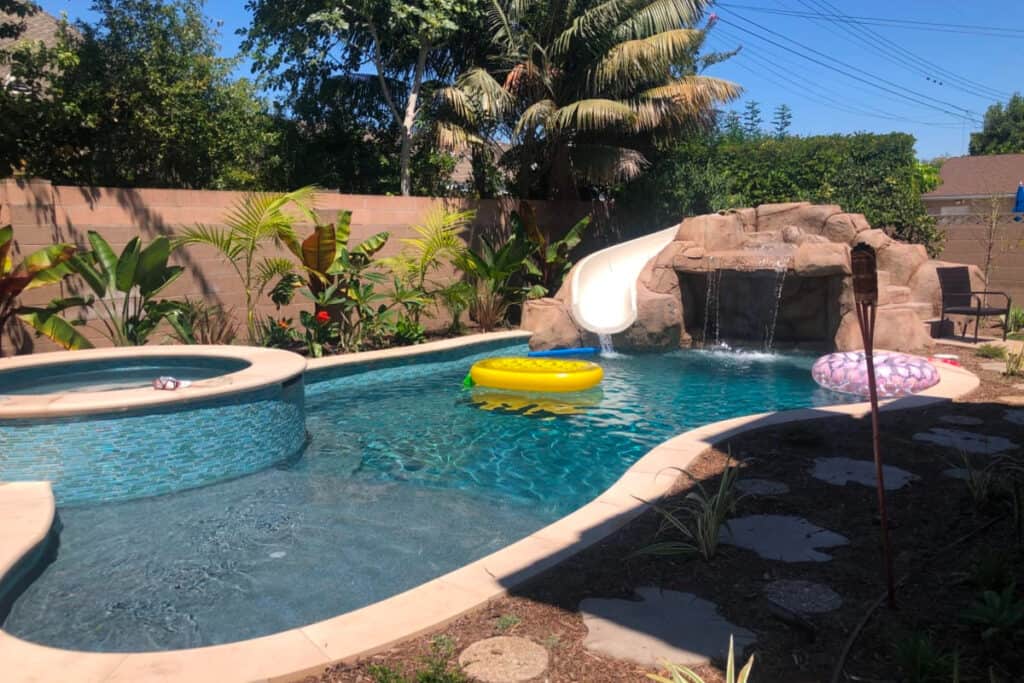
[536,374]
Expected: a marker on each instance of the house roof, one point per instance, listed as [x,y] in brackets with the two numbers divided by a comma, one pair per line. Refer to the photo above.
[980,176]
[40,26]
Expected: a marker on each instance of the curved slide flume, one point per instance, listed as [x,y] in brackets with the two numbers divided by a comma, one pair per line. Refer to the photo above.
[603,298]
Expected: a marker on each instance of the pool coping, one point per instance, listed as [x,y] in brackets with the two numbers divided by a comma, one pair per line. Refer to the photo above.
[267,367]
[296,653]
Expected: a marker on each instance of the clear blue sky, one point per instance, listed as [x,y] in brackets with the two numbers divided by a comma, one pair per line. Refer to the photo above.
[956,72]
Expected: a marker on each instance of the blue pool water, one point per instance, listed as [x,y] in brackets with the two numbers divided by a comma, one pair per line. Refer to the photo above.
[113,375]
[405,478]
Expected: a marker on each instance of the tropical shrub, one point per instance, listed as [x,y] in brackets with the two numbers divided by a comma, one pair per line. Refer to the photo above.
[548,263]
[257,221]
[491,271]
[198,322]
[999,614]
[438,243]
[682,674]
[921,662]
[1015,320]
[46,266]
[698,519]
[125,286]
[990,351]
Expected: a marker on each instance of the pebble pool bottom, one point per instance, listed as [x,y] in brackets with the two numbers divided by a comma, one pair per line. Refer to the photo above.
[404,479]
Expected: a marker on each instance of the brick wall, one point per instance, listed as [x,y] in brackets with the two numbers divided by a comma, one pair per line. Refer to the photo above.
[42,214]
[964,222]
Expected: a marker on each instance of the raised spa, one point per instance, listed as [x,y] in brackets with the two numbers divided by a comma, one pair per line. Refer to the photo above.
[92,423]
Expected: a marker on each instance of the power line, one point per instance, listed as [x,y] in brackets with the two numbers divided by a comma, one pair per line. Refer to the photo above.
[852,72]
[992,31]
[932,72]
[820,93]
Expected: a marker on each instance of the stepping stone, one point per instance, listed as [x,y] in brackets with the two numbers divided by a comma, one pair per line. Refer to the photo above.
[1014,416]
[994,366]
[969,442]
[1011,400]
[781,537]
[840,471]
[955,473]
[504,659]
[663,626]
[803,597]
[962,420]
[762,487]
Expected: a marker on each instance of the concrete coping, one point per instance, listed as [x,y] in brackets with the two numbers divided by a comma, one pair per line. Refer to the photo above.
[294,654]
[266,367]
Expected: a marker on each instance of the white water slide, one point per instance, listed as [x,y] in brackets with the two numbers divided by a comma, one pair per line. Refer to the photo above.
[604,283]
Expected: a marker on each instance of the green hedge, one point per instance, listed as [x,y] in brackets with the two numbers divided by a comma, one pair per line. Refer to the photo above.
[876,175]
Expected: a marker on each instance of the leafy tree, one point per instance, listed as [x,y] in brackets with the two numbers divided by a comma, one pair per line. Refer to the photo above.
[12,12]
[781,121]
[732,126]
[582,90]
[408,45]
[1003,129]
[139,99]
[752,119]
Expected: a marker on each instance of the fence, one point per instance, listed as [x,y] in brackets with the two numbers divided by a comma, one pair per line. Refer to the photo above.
[42,213]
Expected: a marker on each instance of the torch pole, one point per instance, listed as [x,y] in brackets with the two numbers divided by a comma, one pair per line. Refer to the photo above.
[866,318]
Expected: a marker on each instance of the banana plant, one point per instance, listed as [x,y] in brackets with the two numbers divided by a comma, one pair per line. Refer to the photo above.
[125,286]
[46,266]
[549,262]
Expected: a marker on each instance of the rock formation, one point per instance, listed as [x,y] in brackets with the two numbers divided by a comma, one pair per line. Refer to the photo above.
[779,266]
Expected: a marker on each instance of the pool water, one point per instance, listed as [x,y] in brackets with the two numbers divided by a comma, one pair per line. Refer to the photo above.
[113,375]
[405,477]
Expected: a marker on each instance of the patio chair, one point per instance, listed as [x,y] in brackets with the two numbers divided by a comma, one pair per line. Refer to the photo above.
[958,299]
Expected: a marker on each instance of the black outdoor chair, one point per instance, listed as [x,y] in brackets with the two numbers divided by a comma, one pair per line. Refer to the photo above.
[958,299]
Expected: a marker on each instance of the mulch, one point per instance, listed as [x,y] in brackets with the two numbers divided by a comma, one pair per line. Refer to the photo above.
[927,517]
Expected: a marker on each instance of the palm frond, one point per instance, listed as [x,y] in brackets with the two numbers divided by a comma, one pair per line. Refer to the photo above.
[536,115]
[643,60]
[270,268]
[220,239]
[661,15]
[492,99]
[606,164]
[592,115]
[452,136]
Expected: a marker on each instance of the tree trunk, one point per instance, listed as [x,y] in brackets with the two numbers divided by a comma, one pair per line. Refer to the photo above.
[405,156]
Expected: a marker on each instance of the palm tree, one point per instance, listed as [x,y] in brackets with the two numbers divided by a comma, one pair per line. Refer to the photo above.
[581,88]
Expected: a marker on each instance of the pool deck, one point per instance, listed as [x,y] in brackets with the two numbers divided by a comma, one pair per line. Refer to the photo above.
[28,513]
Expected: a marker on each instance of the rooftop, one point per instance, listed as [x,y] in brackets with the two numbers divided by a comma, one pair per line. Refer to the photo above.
[980,175]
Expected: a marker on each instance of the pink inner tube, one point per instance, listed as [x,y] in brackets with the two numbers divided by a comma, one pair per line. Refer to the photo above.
[896,374]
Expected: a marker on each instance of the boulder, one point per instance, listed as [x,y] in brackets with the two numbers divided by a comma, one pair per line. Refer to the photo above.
[821,259]
[748,217]
[694,252]
[660,280]
[808,217]
[792,234]
[659,322]
[668,255]
[901,260]
[924,283]
[551,324]
[876,239]
[844,227]
[713,232]
[896,329]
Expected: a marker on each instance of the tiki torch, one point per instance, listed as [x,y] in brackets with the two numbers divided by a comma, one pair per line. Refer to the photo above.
[865,296]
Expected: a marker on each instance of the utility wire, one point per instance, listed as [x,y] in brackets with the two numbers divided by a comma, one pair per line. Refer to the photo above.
[904,57]
[993,31]
[816,92]
[852,72]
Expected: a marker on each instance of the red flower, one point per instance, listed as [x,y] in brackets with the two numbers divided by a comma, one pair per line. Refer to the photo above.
[323,317]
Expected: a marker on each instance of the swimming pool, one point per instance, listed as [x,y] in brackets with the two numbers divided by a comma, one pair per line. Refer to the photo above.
[112,374]
[404,478]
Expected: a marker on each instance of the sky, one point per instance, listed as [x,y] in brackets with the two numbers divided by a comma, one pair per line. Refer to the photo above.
[835,74]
